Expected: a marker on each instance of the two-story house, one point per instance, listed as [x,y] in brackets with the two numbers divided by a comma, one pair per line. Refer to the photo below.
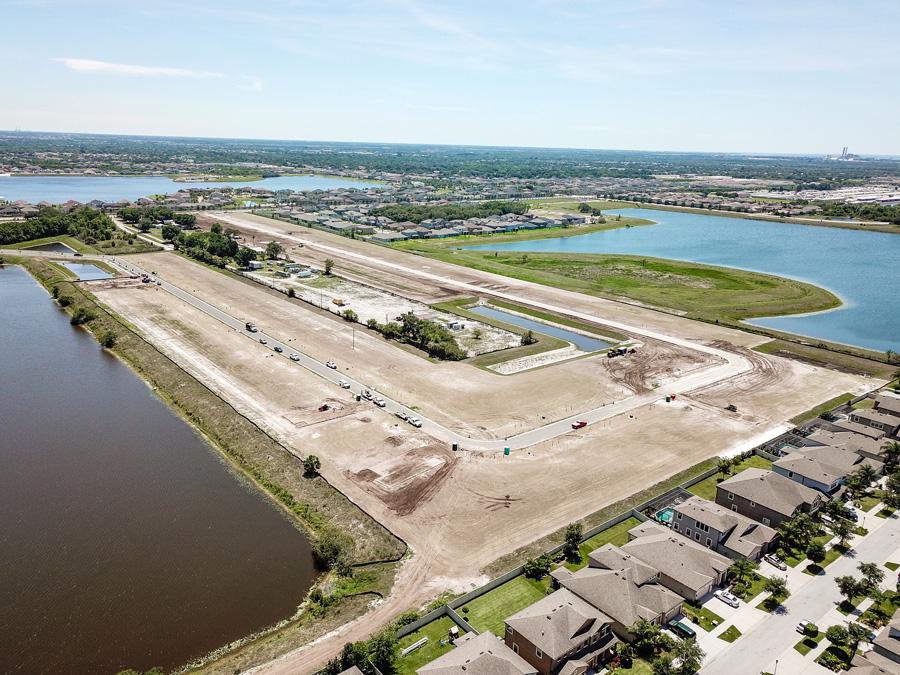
[767,497]
[483,654]
[722,529]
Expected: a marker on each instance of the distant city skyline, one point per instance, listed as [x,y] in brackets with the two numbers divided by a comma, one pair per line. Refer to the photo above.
[765,78]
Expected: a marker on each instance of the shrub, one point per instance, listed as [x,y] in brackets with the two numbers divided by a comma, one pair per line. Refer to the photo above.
[64,300]
[349,315]
[108,339]
[811,630]
[81,316]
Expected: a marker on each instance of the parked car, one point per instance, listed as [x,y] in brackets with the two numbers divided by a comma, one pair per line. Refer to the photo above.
[801,627]
[344,384]
[278,348]
[295,356]
[78,255]
[580,424]
[416,422]
[682,630]
[775,561]
[332,365]
[728,598]
[402,415]
[379,401]
[366,394]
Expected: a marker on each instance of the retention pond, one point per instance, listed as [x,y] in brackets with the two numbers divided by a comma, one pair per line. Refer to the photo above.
[583,342]
[126,541]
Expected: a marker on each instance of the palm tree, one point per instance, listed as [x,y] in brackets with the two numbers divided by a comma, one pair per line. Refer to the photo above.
[867,474]
[724,466]
[891,453]
[741,567]
[646,635]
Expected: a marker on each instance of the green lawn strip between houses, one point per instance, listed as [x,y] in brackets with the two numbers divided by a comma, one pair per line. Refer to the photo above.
[706,488]
[703,617]
[436,632]
[807,644]
[490,611]
[748,591]
[821,408]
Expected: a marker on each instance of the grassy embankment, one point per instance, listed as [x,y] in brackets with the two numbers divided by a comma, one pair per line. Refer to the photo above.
[313,503]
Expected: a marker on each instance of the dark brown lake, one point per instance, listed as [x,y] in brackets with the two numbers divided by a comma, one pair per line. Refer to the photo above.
[125,540]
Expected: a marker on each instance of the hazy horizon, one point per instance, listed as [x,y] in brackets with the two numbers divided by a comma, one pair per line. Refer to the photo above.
[653,75]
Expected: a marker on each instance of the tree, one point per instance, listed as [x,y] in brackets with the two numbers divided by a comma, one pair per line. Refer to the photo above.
[689,653]
[849,587]
[867,475]
[892,490]
[169,232]
[837,635]
[777,588]
[185,219]
[662,665]
[842,529]
[572,542]
[384,651]
[334,550]
[856,634]
[723,465]
[244,256]
[108,339]
[528,338]
[537,568]
[329,265]
[742,567]
[816,552]
[349,315]
[891,453]
[311,465]
[873,575]
[646,636]
[274,250]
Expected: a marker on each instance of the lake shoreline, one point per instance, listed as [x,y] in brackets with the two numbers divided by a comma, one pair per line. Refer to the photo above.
[169,382]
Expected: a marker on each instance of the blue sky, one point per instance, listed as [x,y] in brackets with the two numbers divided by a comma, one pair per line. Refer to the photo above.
[786,76]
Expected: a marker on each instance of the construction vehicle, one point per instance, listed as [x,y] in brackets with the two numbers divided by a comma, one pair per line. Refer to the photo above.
[251,327]
[731,407]
[616,351]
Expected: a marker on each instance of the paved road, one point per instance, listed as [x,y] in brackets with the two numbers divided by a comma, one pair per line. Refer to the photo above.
[757,649]
[734,364]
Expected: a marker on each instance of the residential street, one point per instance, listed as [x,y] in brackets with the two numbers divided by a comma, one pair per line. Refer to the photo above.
[767,638]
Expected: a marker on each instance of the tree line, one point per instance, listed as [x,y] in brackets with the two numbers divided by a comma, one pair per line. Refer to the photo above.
[84,223]
[146,217]
[416,213]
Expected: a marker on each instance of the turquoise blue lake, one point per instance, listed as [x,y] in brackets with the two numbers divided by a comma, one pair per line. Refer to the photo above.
[59,189]
[859,267]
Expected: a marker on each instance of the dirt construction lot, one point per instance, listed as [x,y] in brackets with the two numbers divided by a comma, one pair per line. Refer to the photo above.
[424,493]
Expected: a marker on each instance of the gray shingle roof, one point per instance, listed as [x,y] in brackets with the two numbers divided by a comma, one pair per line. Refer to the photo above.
[483,654]
[743,535]
[769,489]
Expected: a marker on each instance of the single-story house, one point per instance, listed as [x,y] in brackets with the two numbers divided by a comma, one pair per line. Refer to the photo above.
[824,468]
[877,419]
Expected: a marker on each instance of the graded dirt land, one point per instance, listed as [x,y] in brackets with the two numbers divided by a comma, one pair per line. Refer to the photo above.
[460,511]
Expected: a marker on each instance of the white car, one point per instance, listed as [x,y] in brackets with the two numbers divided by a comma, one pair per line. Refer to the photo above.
[332,365]
[263,341]
[416,422]
[728,598]
[402,415]
[295,356]
[344,384]
[801,627]
[379,401]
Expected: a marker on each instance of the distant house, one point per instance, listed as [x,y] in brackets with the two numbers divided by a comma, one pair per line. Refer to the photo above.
[861,429]
[686,567]
[864,446]
[561,633]
[387,237]
[879,419]
[722,529]
[352,670]
[767,497]
[483,654]
[888,404]
[824,468]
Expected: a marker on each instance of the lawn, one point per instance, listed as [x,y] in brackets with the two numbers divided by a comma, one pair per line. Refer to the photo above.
[753,589]
[730,634]
[831,555]
[702,291]
[616,535]
[869,501]
[706,488]
[885,513]
[821,408]
[892,566]
[864,404]
[879,614]
[639,666]
[490,611]
[436,632]
[807,644]
[703,617]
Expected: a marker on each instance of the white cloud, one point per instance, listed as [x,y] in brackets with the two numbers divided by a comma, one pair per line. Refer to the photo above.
[130,70]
